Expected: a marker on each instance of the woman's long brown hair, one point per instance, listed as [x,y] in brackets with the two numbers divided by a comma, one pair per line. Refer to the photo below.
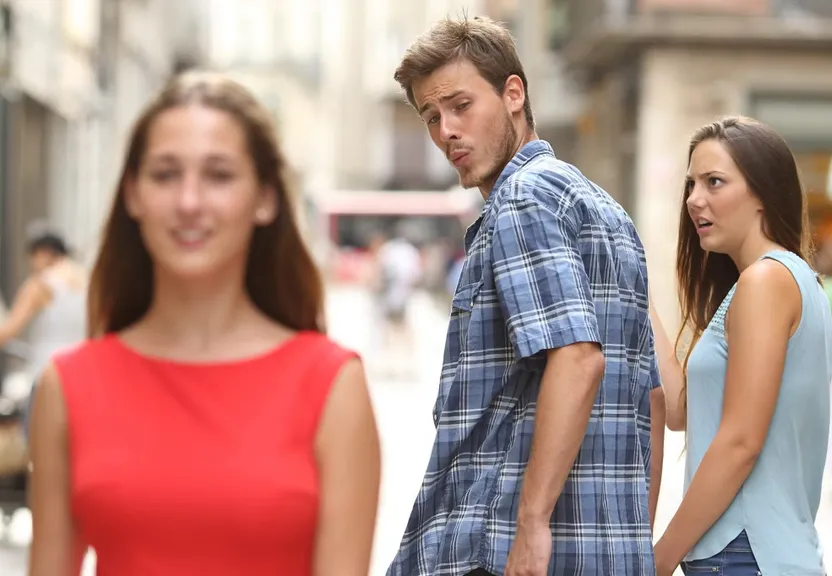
[771,173]
[281,277]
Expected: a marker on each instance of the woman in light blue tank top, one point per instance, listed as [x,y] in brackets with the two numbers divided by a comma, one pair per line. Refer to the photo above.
[753,392]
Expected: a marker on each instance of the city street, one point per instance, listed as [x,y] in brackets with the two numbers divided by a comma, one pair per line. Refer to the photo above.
[618,96]
[403,409]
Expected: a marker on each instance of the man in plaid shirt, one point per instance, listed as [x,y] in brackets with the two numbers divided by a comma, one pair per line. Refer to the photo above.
[541,463]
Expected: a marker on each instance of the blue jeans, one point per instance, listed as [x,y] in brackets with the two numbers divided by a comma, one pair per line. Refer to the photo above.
[736,560]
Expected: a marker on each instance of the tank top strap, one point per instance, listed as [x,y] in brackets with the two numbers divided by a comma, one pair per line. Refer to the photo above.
[802,273]
[324,360]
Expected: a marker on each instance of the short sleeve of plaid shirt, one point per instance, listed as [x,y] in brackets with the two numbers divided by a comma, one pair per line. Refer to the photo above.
[540,276]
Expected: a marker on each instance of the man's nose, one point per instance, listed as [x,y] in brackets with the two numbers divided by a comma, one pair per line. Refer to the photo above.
[448,128]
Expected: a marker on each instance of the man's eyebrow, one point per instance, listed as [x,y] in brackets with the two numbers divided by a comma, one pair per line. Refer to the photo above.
[450,96]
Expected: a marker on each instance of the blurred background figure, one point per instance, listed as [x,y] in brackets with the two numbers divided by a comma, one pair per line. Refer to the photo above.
[51,303]
[51,307]
[397,273]
[60,320]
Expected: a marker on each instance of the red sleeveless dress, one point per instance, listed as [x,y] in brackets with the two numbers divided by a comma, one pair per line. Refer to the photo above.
[203,469]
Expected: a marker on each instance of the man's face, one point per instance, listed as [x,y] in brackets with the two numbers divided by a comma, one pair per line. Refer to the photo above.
[469,121]
[41,259]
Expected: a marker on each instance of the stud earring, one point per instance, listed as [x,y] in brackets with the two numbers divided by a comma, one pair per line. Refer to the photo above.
[262,214]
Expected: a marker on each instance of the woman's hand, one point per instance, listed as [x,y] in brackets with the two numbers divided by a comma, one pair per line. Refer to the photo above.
[666,561]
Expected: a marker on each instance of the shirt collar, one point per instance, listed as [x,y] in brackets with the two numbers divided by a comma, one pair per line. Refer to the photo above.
[523,156]
[528,151]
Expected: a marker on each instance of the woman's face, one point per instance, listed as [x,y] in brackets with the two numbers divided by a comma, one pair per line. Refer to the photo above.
[196,195]
[723,209]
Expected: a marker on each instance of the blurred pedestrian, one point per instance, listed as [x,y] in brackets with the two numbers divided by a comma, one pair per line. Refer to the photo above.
[541,460]
[210,427]
[51,304]
[398,271]
[752,394]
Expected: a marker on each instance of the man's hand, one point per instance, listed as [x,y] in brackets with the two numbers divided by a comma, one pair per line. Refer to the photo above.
[531,550]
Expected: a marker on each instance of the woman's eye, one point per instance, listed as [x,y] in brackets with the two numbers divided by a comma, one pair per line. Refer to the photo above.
[163,176]
[221,176]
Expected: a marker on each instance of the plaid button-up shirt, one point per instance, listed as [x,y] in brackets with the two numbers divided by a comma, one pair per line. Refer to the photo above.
[552,260]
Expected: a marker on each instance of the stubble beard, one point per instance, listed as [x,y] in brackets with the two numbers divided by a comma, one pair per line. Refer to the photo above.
[500,148]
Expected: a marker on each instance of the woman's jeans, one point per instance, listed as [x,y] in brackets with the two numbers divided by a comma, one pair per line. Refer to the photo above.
[736,560]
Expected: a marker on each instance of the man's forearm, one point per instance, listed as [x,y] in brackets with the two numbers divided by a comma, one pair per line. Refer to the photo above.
[567,393]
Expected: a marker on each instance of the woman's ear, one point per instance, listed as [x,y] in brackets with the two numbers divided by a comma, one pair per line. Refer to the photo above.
[267,207]
[131,198]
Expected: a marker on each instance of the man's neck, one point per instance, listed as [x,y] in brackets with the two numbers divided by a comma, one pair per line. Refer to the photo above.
[524,138]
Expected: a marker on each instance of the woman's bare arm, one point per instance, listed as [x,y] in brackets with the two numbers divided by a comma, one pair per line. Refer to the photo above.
[56,547]
[349,463]
[671,373]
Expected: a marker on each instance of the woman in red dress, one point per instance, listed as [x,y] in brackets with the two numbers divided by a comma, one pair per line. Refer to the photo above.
[208,427]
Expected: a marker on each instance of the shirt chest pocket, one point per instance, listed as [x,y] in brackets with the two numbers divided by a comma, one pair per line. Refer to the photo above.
[461,340]
[462,312]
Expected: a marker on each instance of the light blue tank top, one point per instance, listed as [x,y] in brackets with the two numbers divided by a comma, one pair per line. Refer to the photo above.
[778,502]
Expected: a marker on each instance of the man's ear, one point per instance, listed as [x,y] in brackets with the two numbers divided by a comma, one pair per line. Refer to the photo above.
[514,94]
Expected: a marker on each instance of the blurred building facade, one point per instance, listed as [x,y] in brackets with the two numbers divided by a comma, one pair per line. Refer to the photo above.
[652,71]
[325,68]
[73,76]
[617,86]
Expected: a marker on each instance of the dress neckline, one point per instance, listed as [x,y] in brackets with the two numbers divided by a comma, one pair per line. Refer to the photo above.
[281,347]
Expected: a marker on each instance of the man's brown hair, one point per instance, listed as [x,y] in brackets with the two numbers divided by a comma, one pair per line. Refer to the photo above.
[485,43]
